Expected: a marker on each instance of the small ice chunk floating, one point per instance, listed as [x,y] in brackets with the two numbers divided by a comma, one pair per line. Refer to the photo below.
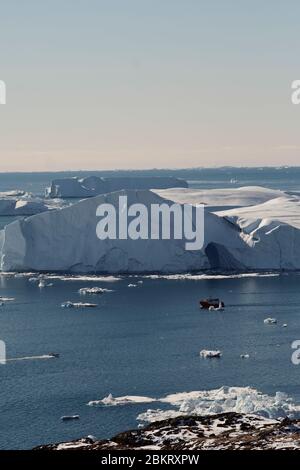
[210,354]
[69,304]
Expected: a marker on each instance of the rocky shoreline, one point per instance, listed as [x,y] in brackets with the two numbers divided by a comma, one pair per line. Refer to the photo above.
[225,431]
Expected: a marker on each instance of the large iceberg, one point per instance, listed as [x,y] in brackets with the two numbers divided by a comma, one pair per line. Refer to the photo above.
[94,185]
[261,237]
[66,240]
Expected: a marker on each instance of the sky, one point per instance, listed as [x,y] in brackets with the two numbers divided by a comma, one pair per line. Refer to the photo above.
[107,84]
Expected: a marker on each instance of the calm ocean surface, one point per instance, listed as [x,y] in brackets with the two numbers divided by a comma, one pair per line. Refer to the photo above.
[139,341]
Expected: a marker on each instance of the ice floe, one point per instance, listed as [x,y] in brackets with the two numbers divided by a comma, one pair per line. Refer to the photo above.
[12,193]
[93,290]
[43,284]
[70,417]
[87,278]
[270,321]
[207,277]
[245,400]
[226,399]
[34,280]
[210,354]
[125,400]
[69,304]
[7,299]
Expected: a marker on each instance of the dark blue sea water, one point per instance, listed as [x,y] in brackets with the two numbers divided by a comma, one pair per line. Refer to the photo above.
[139,341]
[285,178]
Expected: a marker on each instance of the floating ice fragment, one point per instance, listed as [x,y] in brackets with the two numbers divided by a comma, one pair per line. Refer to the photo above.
[270,321]
[69,418]
[69,304]
[93,290]
[43,284]
[205,353]
[125,400]
[6,299]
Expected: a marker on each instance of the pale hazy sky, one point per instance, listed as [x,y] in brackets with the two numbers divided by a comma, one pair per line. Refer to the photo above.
[100,84]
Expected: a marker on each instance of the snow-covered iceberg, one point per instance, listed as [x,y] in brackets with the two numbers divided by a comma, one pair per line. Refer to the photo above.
[261,237]
[66,240]
[94,185]
[225,400]
[281,210]
[274,232]
[246,400]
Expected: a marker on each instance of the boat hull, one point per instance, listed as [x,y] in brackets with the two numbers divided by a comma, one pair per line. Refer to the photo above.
[205,304]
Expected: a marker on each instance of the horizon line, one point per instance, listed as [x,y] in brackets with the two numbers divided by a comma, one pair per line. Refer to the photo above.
[222,167]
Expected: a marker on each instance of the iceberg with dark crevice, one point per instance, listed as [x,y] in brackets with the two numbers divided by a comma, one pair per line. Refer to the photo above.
[66,240]
[261,237]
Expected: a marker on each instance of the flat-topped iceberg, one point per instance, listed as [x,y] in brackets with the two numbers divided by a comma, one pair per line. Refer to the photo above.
[66,240]
[261,237]
[94,185]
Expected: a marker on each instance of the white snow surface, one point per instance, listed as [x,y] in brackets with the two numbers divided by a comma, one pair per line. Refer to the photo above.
[284,209]
[226,197]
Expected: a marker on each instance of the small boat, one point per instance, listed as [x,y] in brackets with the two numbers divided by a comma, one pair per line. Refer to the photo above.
[54,355]
[69,418]
[212,304]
